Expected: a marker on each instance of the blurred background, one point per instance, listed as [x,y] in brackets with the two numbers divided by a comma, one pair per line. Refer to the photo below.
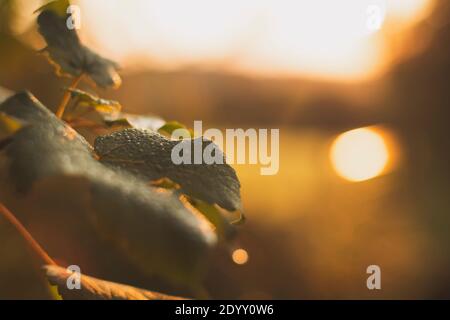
[359,90]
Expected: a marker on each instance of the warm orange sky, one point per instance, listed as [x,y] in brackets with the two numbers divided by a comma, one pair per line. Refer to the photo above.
[336,39]
[320,38]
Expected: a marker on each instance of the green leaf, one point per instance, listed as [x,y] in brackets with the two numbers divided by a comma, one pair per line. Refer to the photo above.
[153,230]
[148,155]
[9,126]
[57,6]
[214,214]
[169,127]
[89,107]
[217,216]
[85,99]
[66,52]
[96,289]
[106,113]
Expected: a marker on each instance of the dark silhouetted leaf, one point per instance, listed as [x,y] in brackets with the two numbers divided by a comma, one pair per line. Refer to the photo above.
[217,216]
[153,229]
[66,51]
[148,155]
[96,289]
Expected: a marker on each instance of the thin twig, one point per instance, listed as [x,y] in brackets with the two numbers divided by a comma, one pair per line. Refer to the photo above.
[66,98]
[34,245]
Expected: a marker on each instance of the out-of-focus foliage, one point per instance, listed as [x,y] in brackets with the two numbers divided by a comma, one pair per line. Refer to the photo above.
[66,51]
[169,127]
[86,100]
[96,289]
[219,219]
[155,231]
[321,232]
[120,218]
[92,110]
[88,110]
[8,126]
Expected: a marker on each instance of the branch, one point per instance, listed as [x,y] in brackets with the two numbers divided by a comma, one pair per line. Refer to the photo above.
[66,98]
[33,244]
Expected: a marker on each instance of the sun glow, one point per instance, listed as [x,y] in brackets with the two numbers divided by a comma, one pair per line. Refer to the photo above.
[320,38]
[359,154]
[240,256]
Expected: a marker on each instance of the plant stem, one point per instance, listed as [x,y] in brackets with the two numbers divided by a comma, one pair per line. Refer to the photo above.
[26,235]
[66,98]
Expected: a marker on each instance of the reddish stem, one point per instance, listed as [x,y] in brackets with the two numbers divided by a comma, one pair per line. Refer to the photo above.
[34,245]
[66,98]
